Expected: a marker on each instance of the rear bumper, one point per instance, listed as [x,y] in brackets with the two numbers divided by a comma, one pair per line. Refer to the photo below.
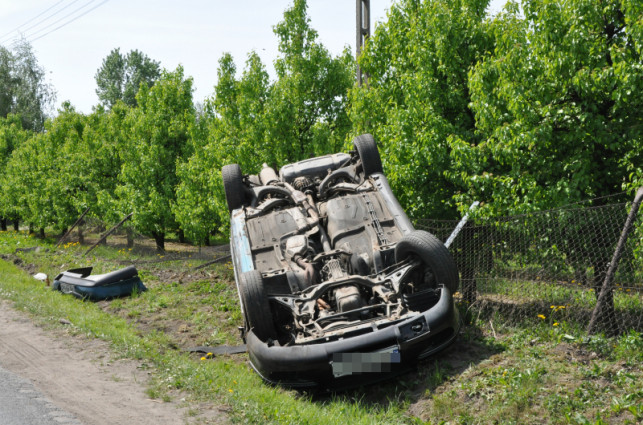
[312,365]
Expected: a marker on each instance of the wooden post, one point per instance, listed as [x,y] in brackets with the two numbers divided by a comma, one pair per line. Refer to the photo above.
[109,232]
[72,227]
[606,289]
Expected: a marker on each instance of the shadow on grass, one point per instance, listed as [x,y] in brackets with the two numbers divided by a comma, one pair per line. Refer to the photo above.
[526,313]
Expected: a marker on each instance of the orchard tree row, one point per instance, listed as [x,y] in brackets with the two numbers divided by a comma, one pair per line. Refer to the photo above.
[534,108]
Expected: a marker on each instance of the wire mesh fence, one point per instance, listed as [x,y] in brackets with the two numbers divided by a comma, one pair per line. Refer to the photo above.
[550,266]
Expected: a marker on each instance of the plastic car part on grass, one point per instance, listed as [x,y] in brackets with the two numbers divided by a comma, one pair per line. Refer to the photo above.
[332,277]
[82,284]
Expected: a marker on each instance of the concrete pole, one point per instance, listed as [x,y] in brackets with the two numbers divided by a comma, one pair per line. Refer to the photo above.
[363,26]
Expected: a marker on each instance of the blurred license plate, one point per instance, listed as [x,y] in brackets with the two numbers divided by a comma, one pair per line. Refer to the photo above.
[344,364]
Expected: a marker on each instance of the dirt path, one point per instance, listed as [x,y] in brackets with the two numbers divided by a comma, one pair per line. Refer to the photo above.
[78,375]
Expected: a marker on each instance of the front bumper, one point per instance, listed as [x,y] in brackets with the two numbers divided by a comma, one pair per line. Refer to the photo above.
[397,346]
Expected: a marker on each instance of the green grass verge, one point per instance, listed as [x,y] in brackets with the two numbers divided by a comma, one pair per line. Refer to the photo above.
[497,372]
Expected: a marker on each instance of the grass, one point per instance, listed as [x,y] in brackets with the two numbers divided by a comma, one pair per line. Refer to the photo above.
[499,371]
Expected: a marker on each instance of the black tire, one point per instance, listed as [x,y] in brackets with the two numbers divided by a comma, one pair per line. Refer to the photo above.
[256,306]
[432,252]
[369,154]
[233,186]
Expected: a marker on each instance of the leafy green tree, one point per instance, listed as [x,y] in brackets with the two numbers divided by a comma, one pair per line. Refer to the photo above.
[557,106]
[231,129]
[23,89]
[306,110]
[160,129]
[12,135]
[121,76]
[417,95]
[251,120]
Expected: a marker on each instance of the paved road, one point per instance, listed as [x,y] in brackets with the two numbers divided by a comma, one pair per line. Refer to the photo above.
[22,404]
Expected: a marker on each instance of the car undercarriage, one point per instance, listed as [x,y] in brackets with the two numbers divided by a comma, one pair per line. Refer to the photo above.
[324,254]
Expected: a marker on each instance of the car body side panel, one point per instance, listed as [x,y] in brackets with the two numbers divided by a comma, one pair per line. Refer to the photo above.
[239,242]
[401,219]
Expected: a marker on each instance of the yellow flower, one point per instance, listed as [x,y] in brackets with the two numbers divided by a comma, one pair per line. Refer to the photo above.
[202,358]
[541,316]
[230,390]
[553,306]
[555,324]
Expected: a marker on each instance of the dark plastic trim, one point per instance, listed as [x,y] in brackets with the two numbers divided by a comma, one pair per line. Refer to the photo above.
[314,360]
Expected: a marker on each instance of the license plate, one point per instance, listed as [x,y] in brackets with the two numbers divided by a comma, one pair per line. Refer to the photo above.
[344,364]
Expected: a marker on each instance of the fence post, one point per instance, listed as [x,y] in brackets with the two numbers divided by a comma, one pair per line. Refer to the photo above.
[76,223]
[109,232]
[606,289]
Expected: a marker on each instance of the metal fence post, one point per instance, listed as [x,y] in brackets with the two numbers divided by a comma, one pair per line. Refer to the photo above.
[605,295]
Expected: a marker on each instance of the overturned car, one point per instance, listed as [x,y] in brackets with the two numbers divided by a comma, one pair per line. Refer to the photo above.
[333,279]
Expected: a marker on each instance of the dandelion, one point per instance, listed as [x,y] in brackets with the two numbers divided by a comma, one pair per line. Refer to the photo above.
[542,316]
[202,358]
[553,306]
[230,390]
[555,324]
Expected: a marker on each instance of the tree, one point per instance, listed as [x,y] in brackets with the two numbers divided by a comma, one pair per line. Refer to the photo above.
[306,109]
[160,129]
[561,88]
[23,90]
[12,136]
[251,120]
[417,96]
[121,76]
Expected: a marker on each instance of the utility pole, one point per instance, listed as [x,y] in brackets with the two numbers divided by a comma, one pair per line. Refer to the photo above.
[363,14]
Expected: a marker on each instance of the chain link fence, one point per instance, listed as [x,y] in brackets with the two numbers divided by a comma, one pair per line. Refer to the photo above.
[550,266]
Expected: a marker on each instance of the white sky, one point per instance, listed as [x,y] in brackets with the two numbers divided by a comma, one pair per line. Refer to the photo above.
[194,33]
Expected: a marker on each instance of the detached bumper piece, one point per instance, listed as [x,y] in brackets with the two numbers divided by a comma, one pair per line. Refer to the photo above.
[360,359]
[82,284]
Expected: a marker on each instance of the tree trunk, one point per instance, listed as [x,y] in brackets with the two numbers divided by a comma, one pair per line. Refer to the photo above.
[159,238]
[181,235]
[41,233]
[3,224]
[16,225]
[31,231]
[130,237]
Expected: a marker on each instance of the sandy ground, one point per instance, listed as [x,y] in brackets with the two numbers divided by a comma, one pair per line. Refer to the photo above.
[79,376]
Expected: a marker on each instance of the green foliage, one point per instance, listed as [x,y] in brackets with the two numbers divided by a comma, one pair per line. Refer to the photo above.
[159,134]
[12,136]
[417,96]
[556,106]
[251,120]
[23,89]
[120,76]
